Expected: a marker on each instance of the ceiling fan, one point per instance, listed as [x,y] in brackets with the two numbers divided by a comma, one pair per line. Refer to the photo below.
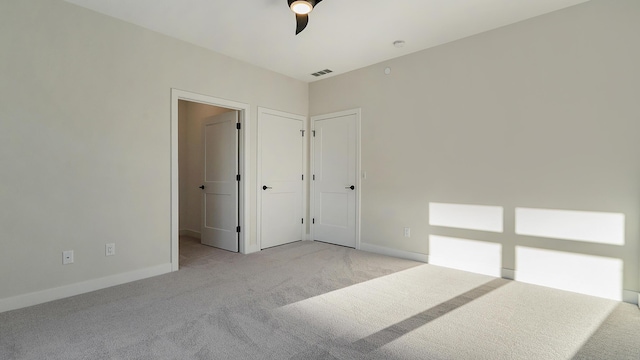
[302,8]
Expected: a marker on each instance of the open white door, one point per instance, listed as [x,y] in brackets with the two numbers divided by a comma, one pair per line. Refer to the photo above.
[280,169]
[220,187]
[335,178]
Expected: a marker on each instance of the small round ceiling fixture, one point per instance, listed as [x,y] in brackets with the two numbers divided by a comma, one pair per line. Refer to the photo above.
[301,7]
[398,43]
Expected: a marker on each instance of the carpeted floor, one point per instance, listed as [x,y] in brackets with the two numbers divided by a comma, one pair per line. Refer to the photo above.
[311,300]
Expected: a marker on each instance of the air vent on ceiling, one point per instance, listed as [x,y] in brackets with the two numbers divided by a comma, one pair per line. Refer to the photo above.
[322,72]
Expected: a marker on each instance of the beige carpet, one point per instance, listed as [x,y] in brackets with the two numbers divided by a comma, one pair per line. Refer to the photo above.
[317,301]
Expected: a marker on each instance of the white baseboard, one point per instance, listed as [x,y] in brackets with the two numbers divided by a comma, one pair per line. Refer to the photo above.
[190,233]
[394,252]
[43,296]
[631,297]
[508,274]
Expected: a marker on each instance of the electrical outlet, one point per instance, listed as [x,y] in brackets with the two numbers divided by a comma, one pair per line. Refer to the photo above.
[110,249]
[67,257]
[407,232]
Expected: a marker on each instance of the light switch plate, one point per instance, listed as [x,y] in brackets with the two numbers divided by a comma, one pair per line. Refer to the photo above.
[110,249]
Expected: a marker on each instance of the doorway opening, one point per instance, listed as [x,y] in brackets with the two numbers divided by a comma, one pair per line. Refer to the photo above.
[189,113]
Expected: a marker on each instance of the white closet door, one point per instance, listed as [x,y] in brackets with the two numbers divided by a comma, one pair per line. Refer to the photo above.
[281,167]
[220,203]
[335,179]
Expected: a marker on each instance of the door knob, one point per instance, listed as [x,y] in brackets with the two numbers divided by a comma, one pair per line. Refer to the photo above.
[350,187]
[265,187]
[201,187]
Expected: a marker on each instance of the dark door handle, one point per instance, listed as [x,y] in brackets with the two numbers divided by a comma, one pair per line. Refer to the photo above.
[350,187]
[265,187]
[201,187]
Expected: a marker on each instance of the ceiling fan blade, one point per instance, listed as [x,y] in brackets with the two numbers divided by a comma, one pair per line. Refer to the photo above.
[302,21]
[312,2]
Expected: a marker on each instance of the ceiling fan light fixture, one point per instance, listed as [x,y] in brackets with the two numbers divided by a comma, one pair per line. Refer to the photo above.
[301,7]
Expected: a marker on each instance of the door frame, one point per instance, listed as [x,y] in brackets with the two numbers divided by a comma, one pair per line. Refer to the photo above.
[358,114]
[244,114]
[305,170]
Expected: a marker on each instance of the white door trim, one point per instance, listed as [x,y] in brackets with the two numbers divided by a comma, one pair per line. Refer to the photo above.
[261,112]
[358,114]
[243,117]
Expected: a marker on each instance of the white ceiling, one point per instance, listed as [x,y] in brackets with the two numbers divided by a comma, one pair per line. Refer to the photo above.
[342,35]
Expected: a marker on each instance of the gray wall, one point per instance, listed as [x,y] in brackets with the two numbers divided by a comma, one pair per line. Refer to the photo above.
[85,138]
[542,114]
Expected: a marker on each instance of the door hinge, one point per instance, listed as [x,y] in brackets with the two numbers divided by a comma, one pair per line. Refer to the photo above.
[314,177]
[238,177]
[303,220]
[237,229]
[238,126]
[302,176]
[314,221]
[302,131]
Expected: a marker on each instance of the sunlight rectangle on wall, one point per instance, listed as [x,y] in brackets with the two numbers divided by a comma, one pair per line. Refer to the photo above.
[473,217]
[597,227]
[464,254]
[585,274]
